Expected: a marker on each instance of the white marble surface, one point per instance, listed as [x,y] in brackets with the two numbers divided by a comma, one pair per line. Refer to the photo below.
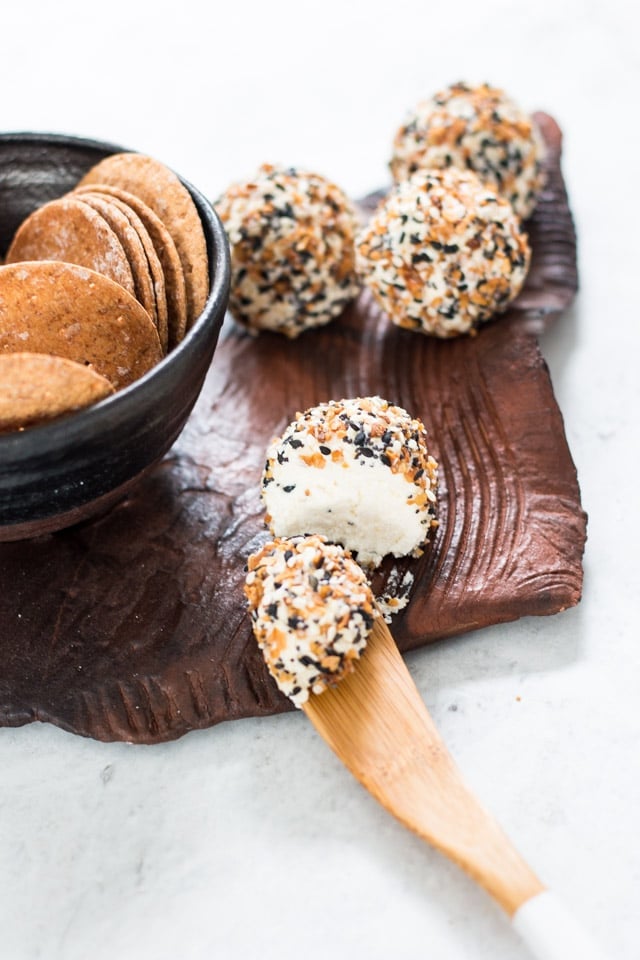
[249,839]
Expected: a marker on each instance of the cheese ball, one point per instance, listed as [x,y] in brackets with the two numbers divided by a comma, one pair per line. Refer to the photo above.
[312,610]
[291,236]
[443,254]
[356,471]
[477,128]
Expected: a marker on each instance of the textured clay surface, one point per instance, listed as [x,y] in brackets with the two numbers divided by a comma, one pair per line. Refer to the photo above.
[134,627]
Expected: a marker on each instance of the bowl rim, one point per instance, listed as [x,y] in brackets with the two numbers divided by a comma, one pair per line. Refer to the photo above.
[76,426]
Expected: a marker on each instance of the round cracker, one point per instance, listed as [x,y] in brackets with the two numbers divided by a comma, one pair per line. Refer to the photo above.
[162,190]
[36,388]
[68,230]
[133,248]
[70,311]
[167,254]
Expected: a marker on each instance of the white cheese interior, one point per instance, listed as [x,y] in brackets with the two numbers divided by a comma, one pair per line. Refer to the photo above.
[362,505]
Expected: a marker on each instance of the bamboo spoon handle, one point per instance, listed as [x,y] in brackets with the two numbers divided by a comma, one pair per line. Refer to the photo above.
[377,723]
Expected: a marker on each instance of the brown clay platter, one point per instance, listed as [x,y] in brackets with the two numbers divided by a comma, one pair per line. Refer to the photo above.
[133,626]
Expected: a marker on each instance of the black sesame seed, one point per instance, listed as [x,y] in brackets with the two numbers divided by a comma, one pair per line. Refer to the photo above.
[325,450]
[289,487]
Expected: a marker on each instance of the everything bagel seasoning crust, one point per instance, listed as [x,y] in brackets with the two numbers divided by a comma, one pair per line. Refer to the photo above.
[291,236]
[312,610]
[356,471]
[443,253]
[475,128]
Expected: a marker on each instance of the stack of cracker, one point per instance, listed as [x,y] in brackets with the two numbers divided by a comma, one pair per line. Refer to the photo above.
[97,287]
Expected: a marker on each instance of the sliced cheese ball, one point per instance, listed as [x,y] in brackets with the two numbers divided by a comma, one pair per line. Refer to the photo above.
[312,610]
[356,471]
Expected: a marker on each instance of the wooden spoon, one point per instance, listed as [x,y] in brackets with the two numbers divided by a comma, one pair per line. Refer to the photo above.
[377,724]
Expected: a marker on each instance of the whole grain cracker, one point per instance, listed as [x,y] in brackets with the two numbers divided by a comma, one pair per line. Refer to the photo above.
[167,254]
[36,388]
[70,311]
[162,190]
[68,230]
[136,254]
[155,267]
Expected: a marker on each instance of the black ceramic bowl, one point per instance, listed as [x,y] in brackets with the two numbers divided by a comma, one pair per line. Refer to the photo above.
[56,474]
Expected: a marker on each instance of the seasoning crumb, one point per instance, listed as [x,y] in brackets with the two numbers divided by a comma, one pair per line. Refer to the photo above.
[397,592]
